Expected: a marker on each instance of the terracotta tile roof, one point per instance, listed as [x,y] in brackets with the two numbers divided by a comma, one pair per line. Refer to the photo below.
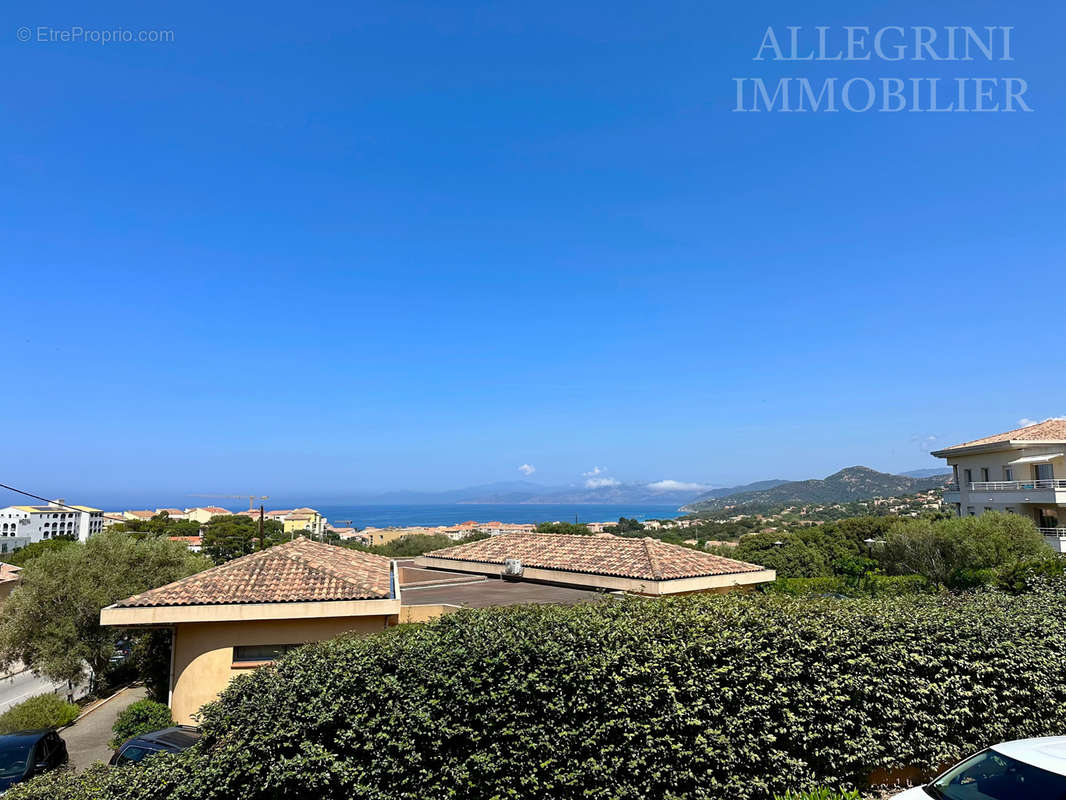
[300,570]
[141,514]
[649,559]
[1050,430]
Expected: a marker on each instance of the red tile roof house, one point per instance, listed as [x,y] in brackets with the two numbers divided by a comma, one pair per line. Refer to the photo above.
[246,612]
[637,566]
[9,579]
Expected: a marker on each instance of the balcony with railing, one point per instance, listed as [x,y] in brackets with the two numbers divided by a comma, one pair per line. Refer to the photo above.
[1018,486]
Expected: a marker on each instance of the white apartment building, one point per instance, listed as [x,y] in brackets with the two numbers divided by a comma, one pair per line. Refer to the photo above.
[1019,472]
[23,525]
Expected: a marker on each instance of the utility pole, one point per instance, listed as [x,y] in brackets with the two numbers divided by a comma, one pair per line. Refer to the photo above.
[261,527]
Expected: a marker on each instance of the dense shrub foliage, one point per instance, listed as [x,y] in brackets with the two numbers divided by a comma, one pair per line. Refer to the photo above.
[961,552]
[820,794]
[702,698]
[42,711]
[144,716]
[957,553]
[868,586]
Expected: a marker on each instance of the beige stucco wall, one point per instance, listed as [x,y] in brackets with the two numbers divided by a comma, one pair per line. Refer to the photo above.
[426,612]
[203,652]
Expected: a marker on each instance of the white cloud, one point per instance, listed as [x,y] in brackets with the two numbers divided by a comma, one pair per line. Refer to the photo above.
[1025,421]
[527,469]
[594,472]
[676,486]
[601,483]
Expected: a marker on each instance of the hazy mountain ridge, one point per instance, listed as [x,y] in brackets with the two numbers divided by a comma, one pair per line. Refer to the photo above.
[845,486]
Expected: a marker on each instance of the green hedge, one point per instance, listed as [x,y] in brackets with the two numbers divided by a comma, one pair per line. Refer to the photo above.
[702,698]
[144,716]
[41,711]
[869,586]
[820,794]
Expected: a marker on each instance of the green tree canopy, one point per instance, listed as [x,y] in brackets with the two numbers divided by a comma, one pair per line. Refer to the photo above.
[414,545]
[569,528]
[230,536]
[23,554]
[950,551]
[159,525]
[51,622]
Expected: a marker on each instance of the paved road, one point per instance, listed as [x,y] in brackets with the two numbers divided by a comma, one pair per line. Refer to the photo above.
[22,685]
[88,737]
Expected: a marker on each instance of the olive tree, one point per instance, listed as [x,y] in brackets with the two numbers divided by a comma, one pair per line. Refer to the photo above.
[51,622]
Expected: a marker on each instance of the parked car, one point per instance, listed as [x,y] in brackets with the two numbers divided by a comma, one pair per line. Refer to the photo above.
[1026,769]
[27,753]
[168,740]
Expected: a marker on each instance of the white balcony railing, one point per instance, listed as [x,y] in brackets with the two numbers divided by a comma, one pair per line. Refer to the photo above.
[1018,486]
[1053,531]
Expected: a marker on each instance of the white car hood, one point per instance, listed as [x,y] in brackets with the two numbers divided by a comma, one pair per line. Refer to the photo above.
[917,793]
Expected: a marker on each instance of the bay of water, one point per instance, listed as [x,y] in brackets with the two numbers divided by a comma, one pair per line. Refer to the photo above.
[453,514]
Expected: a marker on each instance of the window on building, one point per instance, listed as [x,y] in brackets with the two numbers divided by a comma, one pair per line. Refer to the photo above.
[1044,472]
[968,475]
[258,653]
[984,474]
[1008,473]
[970,511]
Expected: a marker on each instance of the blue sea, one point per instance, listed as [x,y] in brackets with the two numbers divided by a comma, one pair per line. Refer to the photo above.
[402,516]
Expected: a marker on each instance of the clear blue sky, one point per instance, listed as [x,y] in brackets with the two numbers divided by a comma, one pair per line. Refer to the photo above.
[313,248]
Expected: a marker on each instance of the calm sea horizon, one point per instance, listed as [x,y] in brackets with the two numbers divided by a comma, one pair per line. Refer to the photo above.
[382,516]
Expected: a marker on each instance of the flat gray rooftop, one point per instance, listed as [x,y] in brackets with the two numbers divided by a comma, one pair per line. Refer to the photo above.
[420,586]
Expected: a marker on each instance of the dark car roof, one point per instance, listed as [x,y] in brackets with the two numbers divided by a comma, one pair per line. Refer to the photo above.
[179,737]
[22,736]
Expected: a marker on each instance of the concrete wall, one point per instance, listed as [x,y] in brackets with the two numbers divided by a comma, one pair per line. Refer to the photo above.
[203,652]
[427,612]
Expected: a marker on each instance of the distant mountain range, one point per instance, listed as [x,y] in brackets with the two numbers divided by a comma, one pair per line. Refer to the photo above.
[926,473]
[848,485]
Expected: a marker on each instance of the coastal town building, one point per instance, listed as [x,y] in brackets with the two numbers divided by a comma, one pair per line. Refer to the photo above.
[144,515]
[1022,471]
[204,515]
[23,525]
[246,612]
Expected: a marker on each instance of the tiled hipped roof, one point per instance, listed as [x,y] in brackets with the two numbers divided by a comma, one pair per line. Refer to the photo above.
[1051,430]
[648,559]
[297,571]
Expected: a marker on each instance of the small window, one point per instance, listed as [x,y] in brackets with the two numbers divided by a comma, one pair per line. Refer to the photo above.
[258,653]
[984,474]
[1008,473]
[968,474]
[970,511]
